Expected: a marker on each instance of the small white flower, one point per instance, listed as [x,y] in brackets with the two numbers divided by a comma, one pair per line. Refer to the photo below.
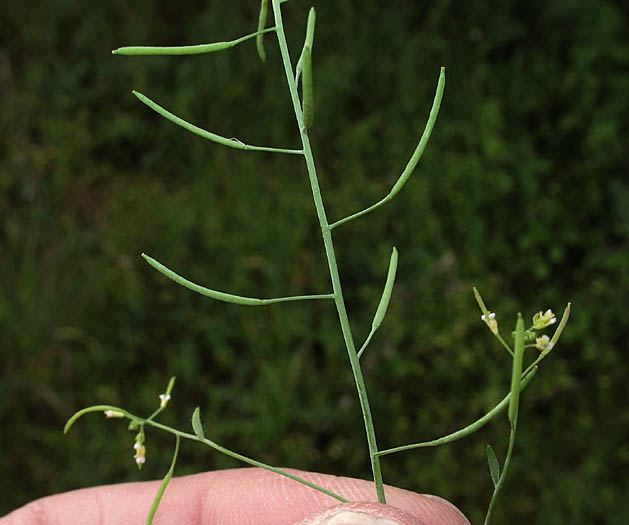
[542,320]
[544,343]
[490,321]
[113,413]
[163,400]
[140,454]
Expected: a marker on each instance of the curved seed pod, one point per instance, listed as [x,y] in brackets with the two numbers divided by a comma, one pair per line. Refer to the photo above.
[187,50]
[310,28]
[196,423]
[264,4]
[423,141]
[306,88]
[386,294]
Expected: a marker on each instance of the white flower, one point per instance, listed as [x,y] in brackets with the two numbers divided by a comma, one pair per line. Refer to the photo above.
[542,320]
[164,399]
[490,321]
[543,343]
[140,454]
[113,413]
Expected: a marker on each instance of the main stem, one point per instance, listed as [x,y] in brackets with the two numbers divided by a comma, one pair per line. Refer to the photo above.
[331,257]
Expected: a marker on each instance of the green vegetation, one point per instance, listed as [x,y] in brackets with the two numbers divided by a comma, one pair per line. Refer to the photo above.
[522,192]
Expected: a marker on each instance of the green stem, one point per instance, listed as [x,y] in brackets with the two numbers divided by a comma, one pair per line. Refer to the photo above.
[504,343]
[164,483]
[469,429]
[503,475]
[331,257]
[244,459]
[192,437]
[366,343]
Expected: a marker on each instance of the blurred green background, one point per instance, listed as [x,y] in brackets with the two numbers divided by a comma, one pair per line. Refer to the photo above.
[523,192]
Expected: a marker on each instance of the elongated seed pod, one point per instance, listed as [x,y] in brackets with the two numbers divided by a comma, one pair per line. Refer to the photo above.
[264,4]
[226,297]
[386,294]
[310,29]
[187,50]
[518,356]
[423,141]
[306,88]
[173,50]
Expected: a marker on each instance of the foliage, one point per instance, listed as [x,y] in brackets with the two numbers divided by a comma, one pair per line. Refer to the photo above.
[529,146]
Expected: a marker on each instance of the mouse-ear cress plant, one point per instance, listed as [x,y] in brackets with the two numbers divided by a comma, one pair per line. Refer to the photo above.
[523,338]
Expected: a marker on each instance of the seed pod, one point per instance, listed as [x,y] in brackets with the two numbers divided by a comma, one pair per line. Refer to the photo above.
[310,28]
[261,24]
[518,356]
[306,87]
[386,294]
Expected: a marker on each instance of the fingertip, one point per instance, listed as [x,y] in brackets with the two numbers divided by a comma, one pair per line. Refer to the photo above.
[361,513]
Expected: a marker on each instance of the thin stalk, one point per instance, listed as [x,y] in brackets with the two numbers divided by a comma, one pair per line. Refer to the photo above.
[164,483]
[366,343]
[503,475]
[192,437]
[514,406]
[245,459]
[469,429]
[331,257]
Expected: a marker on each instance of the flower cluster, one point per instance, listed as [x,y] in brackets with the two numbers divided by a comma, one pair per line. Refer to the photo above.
[140,449]
[542,320]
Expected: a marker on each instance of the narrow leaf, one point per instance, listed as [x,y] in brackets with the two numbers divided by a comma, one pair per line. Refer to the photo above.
[386,293]
[264,4]
[197,427]
[494,466]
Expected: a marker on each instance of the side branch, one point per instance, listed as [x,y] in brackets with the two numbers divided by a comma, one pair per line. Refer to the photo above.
[226,297]
[469,429]
[232,143]
[412,163]
[186,50]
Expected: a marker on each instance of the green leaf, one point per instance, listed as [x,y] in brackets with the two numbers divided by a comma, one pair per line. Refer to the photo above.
[494,466]
[196,423]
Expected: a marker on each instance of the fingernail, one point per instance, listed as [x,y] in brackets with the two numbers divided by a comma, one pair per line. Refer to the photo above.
[361,513]
[357,518]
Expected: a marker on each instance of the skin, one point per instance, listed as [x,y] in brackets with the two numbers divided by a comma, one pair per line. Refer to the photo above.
[245,496]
